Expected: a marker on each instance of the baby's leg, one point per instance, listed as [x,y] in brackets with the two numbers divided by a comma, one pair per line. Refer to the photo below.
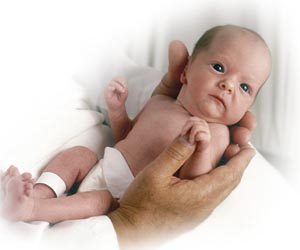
[19,204]
[71,165]
[78,206]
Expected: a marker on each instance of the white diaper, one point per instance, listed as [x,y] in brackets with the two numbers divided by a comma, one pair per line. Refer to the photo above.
[111,173]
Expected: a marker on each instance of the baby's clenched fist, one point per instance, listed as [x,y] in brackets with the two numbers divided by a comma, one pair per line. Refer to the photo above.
[116,93]
[197,131]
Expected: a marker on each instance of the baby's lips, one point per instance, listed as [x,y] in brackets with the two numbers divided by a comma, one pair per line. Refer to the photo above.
[219,100]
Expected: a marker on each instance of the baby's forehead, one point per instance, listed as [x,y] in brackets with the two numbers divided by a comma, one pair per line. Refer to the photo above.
[243,47]
[237,37]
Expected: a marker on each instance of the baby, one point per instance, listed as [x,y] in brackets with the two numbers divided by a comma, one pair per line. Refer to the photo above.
[223,75]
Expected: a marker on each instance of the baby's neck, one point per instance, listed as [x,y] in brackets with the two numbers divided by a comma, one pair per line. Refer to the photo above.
[180,104]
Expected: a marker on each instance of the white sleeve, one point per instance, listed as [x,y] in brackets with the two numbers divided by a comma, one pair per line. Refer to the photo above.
[92,233]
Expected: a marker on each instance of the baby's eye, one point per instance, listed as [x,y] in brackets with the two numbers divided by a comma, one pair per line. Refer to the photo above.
[218,67]
[245,87]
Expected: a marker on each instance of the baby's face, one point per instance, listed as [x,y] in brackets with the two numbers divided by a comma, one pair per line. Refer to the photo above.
[222,81]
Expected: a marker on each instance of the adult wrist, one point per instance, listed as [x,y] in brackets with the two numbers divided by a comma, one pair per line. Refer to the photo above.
[124,228]
[133,232]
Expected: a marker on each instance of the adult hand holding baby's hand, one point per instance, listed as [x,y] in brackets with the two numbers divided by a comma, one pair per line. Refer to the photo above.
[158,205]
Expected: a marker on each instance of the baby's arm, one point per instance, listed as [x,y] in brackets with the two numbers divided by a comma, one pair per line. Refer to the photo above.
[212,139]
[115,97]
[197,130]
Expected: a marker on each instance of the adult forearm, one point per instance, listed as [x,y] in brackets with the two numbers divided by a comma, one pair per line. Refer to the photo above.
[137,232]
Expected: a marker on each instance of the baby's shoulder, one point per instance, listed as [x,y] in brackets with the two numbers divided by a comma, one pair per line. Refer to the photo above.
[161,98]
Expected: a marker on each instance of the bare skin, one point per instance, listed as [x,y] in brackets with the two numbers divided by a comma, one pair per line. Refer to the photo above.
[170,85]
[160,128]
[219,85]
[19,188]
[27,202]
[158,206]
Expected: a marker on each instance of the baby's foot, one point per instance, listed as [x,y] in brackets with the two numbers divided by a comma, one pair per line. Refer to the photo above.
[11,171]
[18,203]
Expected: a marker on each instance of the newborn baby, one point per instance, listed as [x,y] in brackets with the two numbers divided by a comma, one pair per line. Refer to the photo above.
[223,75]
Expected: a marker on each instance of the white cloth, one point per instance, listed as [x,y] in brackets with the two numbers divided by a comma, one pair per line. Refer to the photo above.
[111,173]
[93,234]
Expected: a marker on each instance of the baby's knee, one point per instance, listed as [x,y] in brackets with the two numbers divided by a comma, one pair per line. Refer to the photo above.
[83,153]
[82,150]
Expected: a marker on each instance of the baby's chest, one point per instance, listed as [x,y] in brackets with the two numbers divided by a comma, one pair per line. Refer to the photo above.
[162,124]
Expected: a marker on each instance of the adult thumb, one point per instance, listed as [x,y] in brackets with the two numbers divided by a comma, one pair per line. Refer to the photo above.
[173,157]
[178,58]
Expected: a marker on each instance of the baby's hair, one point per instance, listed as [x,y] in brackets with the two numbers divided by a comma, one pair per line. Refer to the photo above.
[208,36]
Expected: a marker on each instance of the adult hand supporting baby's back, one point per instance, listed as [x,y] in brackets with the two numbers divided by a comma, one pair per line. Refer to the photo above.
[170,85]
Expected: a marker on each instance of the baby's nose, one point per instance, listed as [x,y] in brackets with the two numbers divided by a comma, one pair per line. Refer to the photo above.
[227,86]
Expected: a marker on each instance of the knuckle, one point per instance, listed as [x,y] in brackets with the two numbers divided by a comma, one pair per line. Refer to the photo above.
[175,154]
[234,178]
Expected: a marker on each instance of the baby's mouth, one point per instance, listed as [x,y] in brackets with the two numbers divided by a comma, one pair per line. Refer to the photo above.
[219,99]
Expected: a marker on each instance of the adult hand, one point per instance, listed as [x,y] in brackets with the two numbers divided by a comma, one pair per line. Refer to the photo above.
[170,85]
[240,134]
[158,205]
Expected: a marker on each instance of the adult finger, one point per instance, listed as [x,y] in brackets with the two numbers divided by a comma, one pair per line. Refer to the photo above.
[170,83]
[240,135]
[178,56]
[231,150]
[248,121]
[230,174]
[173,157]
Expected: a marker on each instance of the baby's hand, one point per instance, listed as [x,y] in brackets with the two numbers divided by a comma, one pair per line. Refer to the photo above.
[116,93]
[197,130]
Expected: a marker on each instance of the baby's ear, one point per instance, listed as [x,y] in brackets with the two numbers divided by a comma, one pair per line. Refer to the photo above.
[183,78]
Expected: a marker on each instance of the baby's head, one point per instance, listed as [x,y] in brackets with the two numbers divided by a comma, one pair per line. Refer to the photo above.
[227,68]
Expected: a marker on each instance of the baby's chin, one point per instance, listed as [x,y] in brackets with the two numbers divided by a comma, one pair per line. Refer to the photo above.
[212,113]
